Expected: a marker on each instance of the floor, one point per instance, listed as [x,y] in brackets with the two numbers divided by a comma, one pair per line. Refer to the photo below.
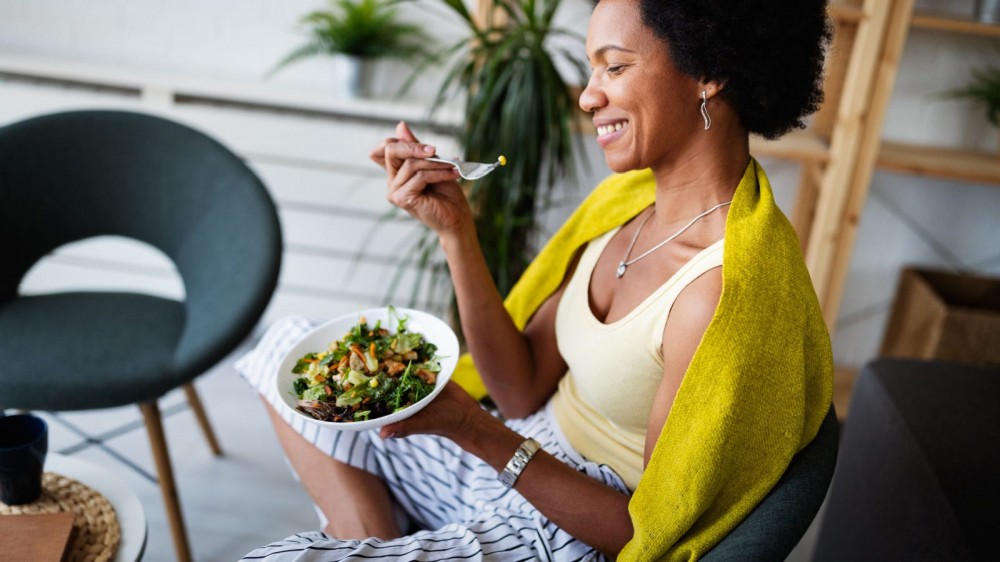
[232,503]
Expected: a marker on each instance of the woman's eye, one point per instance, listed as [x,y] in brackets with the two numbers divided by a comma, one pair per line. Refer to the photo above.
[616,69]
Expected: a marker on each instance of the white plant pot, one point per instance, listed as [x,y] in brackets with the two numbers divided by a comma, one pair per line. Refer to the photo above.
[352,76]
[988,11]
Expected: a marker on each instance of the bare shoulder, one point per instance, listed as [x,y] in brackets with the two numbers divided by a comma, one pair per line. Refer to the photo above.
[691,314]
[696,304]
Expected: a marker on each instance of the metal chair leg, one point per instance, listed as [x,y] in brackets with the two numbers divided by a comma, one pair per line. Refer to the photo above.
[157,442]
[199,412]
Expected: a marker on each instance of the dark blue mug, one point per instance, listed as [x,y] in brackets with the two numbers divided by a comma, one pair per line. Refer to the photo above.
[24,440]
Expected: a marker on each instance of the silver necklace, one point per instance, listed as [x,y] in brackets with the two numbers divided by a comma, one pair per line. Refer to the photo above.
[623,265]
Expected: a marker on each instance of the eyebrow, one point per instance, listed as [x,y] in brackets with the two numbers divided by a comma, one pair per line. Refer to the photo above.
[601,50]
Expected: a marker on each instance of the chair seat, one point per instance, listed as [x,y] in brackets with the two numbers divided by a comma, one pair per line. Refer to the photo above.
[55,352]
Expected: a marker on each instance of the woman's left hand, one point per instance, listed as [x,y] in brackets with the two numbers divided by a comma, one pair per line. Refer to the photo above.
[452,413]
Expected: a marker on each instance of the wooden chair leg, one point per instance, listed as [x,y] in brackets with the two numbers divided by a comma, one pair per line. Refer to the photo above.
[157,442]
[199,412]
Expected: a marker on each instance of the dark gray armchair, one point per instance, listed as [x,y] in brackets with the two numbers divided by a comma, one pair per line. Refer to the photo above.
[918,476]
[70,176]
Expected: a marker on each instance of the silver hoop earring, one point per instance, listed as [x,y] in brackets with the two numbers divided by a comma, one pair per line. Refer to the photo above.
[704,110]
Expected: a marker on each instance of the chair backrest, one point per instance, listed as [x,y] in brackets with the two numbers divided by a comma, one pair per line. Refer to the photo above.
[775,526]
[74,175]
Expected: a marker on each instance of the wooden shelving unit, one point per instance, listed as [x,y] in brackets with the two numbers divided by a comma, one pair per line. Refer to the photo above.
[830,150]
[829,263]
[843,146]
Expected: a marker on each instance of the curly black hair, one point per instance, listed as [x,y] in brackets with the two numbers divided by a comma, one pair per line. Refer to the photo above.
[768,53]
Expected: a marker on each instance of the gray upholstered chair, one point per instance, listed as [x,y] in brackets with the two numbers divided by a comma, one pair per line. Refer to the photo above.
[918,476]
[775,526]
[75,175]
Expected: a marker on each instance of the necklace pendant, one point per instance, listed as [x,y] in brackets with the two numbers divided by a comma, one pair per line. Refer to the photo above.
[621,269]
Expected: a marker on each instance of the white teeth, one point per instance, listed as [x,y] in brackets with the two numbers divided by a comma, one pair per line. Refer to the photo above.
[608,129]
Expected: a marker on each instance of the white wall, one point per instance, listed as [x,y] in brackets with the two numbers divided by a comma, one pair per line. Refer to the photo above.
[907,219]
[238,40]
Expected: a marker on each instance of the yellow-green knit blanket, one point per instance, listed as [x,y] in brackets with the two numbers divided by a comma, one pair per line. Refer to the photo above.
[757,388]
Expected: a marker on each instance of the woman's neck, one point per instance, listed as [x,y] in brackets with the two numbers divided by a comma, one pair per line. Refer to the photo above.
[706,174]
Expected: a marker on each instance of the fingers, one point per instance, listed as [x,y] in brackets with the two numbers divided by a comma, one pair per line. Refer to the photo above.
[377,155]
[392,431]
[403,134]
[408,186]
[398,153]
[452,411]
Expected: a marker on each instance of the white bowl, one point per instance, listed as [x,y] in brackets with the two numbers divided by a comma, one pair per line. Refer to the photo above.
[434,330]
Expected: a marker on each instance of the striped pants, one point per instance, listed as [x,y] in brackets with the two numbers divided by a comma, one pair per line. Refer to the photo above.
[466,513]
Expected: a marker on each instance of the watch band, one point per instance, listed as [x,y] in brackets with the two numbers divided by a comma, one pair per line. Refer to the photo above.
[517,463]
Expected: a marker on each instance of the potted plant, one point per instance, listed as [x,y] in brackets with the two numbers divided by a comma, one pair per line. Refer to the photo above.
[983,89]
[516,103]
[355,33]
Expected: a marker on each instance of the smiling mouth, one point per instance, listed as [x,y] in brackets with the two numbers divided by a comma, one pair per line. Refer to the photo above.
[605,130]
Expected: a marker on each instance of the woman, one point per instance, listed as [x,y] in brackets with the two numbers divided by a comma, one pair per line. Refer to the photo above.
[678,271]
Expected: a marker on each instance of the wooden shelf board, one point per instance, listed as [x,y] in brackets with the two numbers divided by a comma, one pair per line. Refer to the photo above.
[797,145]
[948,163]
[844,13]
[955,24]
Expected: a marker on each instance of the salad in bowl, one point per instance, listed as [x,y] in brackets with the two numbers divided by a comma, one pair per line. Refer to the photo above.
[368,369]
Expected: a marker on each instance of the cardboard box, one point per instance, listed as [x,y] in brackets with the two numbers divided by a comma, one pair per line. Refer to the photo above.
[944,315]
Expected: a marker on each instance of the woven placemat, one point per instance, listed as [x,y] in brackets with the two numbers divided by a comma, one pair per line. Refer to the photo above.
[98,533]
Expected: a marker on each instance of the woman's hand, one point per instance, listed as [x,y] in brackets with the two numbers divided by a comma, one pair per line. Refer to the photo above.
[452,413]
[428,191]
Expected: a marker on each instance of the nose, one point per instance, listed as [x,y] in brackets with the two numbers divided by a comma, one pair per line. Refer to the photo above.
[592,97]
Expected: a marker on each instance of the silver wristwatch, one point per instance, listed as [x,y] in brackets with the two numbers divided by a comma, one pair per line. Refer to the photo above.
[517,463]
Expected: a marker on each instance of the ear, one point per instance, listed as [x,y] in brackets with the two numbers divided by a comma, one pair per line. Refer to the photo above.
[710,87]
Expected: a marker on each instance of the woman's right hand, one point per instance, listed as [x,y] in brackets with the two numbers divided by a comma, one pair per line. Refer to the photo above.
[428,191]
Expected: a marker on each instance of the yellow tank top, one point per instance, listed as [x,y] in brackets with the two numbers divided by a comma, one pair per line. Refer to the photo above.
[602,405]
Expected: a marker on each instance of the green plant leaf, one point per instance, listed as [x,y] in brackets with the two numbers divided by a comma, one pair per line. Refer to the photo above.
[362,28]
[984,89]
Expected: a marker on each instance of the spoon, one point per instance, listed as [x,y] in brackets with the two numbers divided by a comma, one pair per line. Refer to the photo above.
[471,170]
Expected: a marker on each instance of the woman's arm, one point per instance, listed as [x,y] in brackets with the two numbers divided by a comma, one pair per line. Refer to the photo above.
[690,316]
[585,508]
[520,370]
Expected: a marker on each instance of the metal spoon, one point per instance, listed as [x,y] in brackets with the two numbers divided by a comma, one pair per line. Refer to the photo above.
[470,170]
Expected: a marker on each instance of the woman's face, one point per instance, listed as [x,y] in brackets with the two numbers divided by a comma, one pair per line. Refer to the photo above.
[644,109]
